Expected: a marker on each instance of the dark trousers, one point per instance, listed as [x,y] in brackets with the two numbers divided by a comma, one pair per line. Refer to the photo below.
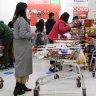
[7,52]
[90,49]
[39,39]
[51,42]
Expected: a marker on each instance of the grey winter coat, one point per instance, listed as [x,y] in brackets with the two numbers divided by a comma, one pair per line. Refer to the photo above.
[22,48]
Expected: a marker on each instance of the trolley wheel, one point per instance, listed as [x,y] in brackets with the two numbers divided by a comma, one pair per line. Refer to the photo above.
[84,92]
[36,92]
[78,83]
[56,76]
[1,85]
[93,74]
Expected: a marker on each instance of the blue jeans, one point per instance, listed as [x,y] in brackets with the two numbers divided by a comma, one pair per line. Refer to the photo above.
[39,39]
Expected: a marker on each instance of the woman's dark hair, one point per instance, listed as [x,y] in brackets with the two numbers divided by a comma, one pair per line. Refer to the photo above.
[51,14]
[65,17]
[20,11]
[75,17]
[10,24]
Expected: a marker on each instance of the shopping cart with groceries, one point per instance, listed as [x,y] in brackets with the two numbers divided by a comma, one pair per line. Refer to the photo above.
[66,52]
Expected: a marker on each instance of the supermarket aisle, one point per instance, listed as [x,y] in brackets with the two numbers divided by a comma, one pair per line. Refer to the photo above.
[60,88]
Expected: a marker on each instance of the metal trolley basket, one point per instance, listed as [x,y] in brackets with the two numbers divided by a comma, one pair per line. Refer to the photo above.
[67,53]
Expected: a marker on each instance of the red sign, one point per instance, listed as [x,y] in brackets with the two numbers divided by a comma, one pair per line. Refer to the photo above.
[81,11]
[44,7]
[39,1]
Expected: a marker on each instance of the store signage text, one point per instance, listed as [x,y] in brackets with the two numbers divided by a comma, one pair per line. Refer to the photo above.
[80,0]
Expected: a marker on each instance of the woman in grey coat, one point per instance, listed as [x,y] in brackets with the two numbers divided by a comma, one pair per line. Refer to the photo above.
[22,49]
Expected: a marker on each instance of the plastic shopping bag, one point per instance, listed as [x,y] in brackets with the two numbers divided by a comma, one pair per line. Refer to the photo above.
[81,58]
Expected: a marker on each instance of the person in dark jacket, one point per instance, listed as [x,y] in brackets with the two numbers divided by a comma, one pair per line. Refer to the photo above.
[49,24]
[7,41]
[40,25]
[39,30]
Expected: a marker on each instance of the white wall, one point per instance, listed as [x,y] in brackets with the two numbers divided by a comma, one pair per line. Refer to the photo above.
[92,9]
[7,8]
[67,6]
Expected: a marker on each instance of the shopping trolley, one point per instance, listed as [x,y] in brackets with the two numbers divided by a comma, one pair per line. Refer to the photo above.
[67,53]
[93,57]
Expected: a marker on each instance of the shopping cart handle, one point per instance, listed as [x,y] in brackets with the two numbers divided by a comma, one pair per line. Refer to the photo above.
[66,39]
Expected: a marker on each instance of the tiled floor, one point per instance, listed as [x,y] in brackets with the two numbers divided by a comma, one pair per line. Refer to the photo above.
[54,88]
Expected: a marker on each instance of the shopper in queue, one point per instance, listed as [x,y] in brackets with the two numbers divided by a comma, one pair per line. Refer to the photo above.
[60,27]
[39,30]
[49,24]
[6,36]
[22,49]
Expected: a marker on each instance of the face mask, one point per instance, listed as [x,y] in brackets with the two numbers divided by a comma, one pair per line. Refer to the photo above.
[27,11]
[27,14]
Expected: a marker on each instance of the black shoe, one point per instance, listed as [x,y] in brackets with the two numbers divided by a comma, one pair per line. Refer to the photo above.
[53,70]
[25,88]
[18,90]
[1,68]
[4,68]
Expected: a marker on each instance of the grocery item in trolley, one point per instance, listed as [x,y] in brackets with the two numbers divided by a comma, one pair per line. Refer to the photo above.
[62,51]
